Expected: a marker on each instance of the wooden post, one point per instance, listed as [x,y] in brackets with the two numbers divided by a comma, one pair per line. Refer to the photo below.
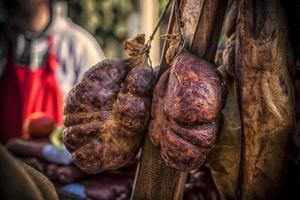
[203,21]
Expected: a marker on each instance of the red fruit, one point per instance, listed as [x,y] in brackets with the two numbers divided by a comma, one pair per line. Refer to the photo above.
[38,125]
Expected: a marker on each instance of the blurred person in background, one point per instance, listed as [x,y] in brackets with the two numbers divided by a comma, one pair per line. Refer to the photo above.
[42,55]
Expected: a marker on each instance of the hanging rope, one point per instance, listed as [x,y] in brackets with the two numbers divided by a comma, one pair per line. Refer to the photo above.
[159,22]
[146,49]
[179,21]
[176,36]
[169,37]
[176,40]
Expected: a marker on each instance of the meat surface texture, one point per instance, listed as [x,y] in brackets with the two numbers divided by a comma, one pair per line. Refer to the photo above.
[266,99]
[186,107]
[107,112]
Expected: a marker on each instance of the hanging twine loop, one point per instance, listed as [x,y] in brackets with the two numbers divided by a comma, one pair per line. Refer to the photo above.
[147,46]
[176,40]
[173,38]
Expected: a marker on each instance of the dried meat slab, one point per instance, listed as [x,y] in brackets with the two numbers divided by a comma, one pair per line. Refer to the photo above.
[265,95]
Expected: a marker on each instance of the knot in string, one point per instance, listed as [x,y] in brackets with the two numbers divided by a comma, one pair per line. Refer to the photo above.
[171,37]
[141,51]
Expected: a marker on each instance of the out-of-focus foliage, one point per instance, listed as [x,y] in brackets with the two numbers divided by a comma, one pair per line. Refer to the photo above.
[106,20]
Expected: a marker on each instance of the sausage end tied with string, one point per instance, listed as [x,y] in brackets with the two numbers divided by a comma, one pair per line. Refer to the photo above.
[176,39]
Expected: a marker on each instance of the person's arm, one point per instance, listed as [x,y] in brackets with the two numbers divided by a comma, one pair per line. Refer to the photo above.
[24,148]
[92,55]
[86,49]
[39,150]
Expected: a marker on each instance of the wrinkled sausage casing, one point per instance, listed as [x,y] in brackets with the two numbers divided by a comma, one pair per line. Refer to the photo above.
[106,114]
[186,106]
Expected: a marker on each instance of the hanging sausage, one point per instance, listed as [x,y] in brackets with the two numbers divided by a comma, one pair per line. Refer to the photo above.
[107,112]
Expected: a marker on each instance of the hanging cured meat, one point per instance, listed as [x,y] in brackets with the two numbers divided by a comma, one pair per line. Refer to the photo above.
[107,112]
[186,107]
[266,98]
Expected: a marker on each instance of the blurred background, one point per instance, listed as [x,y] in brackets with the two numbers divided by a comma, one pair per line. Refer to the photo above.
[112,21]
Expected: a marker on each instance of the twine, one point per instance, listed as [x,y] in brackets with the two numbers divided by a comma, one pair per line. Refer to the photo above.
[169,37]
